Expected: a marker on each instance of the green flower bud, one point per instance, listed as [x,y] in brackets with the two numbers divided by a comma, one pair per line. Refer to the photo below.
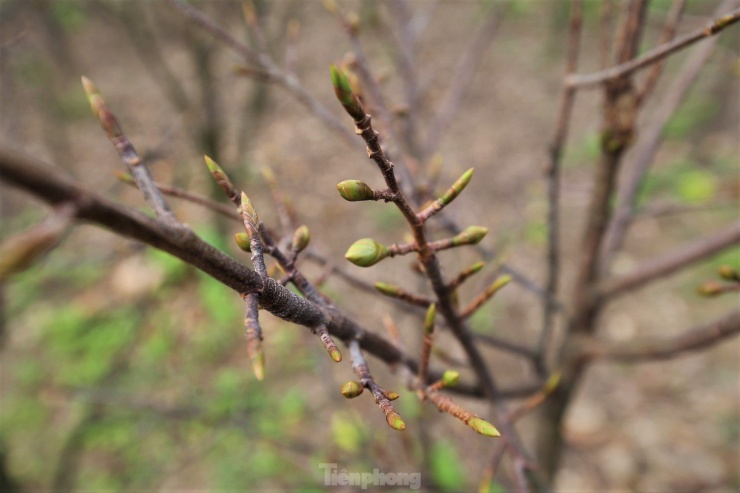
[450,378]
[366,252]
[470,236]
[392,396]
[355,191]
[352,389]
[301,237]
[242,240]
[483,427]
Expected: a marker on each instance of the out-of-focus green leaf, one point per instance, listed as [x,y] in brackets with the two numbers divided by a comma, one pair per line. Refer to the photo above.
[348,432]
[446,467]
[696,186]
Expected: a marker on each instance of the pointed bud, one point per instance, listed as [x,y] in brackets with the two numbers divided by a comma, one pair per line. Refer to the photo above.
[476,267]
[247,208]
[352,389]
[242,240]
[450,378]
[124,177]
[457,187]
[21,251]
[391,396]
[301,237]
[366,252]
[711,288]
[729,273]
[395,421]
[552,383]
[429,319]
[355,191]
[258,364]
[344,93]
[470,236]
[221,178]
[101,111]
[496,285]
[387,289]
[483,427]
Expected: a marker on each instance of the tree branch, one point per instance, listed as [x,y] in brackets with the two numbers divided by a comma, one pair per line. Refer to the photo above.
[638,351]
[665,264]
[655,55]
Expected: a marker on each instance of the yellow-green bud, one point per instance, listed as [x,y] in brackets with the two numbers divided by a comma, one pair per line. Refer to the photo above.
[352,389]
[355,190]
[366,252]
[395,422]
[483,427]
[470,236]
[242,240]
[457,187]
[301,237]
[429,319]
[450,378]
[387,289]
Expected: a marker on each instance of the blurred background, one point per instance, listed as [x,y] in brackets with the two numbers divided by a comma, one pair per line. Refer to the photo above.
[125,370]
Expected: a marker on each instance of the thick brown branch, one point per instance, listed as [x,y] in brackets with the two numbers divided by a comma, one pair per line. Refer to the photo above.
[48,184]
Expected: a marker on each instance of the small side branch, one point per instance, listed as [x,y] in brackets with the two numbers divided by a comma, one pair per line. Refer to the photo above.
[681,257]
[253,333]
[359,365]
[655,55]
[639,351]
[126,150]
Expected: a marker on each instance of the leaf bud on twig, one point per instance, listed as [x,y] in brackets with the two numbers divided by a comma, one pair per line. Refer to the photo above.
[301,237]
[366,252]
[483,427]
[242,241]
[450,378]
[470,236]
[352,389]
[355,191]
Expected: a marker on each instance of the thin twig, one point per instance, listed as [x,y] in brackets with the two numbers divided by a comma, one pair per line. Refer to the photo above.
[126,150]
[669,30]
[670,262]
[553,187]
[264,62]
[655,55]
[463,76]
[638,351]
[194,198]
